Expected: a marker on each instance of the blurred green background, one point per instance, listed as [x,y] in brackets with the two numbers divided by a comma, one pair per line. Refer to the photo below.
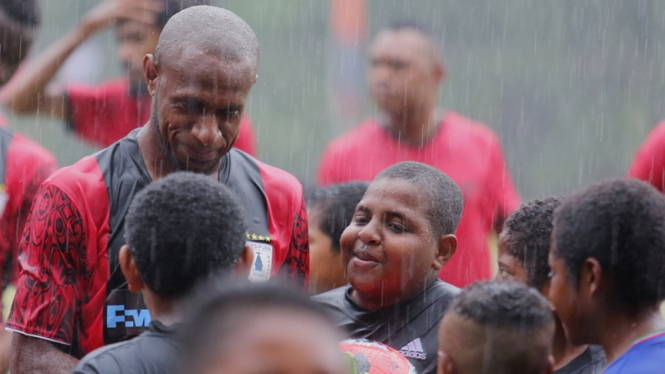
[572,87]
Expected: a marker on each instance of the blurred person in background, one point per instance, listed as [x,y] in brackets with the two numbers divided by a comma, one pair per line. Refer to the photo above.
[405,74]
[260,329]
[329,211]
[498,328]
[105,113]
[649,162]
[524,245]
[71,294]
[24,165]
[180,231]
[608,272]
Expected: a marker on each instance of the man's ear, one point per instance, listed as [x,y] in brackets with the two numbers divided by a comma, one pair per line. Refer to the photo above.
[150,73]
[244,265]
[129,270]
[447,246]
[445,364]
[591,277]
[550,365]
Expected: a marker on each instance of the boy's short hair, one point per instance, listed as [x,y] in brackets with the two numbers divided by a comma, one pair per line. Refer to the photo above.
[25,12]
[527,235]
[217,306]
[182,229]
[620,223]
[336,204]
[445,197]
[512,323]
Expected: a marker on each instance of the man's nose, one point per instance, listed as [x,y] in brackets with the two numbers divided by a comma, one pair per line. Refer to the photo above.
[206,130]
[370,233]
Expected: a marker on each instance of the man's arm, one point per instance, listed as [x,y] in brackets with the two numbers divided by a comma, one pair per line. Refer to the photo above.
[38,356]
[296,266]
[27,91]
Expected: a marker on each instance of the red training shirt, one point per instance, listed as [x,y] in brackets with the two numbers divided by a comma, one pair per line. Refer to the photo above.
[468,152]
[103,114]
[70,288]
[649,162]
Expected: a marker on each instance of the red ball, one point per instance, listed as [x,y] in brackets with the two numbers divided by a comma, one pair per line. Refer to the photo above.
[371,357]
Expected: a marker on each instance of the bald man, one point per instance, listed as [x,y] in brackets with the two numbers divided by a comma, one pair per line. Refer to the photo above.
[72,296]
[498,328]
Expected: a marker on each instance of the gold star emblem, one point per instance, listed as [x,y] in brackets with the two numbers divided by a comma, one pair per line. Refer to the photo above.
[254,236]
[261,237]
[247,235]
[268,239]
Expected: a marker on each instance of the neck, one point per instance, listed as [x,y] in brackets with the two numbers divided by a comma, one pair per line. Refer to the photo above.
[151,150]
[166,311]
[563,350]
[626,328]
[370,302]
[414,127]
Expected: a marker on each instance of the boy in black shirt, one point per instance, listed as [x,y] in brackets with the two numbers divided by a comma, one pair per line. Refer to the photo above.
[401,236]
[498,328]
[179,231]
[524,245]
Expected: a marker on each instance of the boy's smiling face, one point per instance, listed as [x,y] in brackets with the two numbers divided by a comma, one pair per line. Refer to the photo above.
[389,250]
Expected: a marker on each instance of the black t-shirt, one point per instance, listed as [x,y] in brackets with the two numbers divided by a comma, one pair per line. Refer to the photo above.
[411,326]
[591,361]
[152,352]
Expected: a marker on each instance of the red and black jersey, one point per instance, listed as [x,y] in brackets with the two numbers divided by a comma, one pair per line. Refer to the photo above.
[70,288]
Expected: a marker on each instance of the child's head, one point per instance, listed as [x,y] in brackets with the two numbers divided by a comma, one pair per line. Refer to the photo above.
[607,256]
[258,329]
[330,210]
[496,327]
[524,243]
[19,20]
[402,233]
[179,231]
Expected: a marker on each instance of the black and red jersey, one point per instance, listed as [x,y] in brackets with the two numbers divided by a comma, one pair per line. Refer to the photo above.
[70,288]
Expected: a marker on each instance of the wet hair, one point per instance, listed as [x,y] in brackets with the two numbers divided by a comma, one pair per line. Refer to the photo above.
[420,27]
[336,204]
[620,223]
[171,7]
[25,12]
[527,235]
[218,307]
[183,229]
[517,326]
[445,197]
[215,30]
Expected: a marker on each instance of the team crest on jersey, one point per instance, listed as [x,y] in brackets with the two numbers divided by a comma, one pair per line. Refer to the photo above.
[262,265]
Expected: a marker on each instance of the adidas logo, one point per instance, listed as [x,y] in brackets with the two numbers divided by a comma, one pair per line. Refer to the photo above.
[414,350]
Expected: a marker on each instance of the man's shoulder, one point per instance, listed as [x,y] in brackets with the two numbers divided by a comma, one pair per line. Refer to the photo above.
[466,130]
[29,151]
[276,182]
[333,302]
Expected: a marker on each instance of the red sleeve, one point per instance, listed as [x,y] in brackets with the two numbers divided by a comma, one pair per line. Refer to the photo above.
[296,264]
[504,195]
[649,162]
[246,141]
[328,172]
[53,269]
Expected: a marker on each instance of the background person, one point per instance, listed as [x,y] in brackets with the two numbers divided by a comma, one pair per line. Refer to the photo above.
[607,264]
[180,231]
[498,328]
[70,276]
[104,113]
[405,75]
[524,246]
[330,210]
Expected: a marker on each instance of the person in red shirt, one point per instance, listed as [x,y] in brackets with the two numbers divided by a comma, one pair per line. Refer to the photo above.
[649,162]
[406,71]
[71,295]
[24,165]
[105,113]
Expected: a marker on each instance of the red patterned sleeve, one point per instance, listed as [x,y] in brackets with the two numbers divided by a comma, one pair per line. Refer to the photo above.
[296,266]
[52,268]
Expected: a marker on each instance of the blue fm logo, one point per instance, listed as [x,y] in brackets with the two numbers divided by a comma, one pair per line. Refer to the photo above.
[117,314]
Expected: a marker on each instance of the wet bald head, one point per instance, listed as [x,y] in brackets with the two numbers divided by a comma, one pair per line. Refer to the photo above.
[213,30]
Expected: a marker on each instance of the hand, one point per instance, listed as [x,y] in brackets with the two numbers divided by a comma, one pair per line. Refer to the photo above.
[110,12]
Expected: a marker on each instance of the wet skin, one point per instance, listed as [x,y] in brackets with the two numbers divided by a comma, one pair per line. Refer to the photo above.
[510,267]
[326,268]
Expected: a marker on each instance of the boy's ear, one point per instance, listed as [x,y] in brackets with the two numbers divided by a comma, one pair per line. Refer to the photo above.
[447,246]
[244,265]
[129,270]
[591,277]
[445,364]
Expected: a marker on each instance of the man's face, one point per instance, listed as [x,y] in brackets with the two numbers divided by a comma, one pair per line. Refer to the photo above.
[135,41]
[402,73]
[198,107]
[280,342]
[510,267]
[389,248]
[326,268]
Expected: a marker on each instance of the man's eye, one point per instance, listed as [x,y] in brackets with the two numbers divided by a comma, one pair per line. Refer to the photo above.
[359,220]
[550,274]
[397,227]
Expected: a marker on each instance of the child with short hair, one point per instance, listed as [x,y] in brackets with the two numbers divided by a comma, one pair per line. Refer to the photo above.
[401,236]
